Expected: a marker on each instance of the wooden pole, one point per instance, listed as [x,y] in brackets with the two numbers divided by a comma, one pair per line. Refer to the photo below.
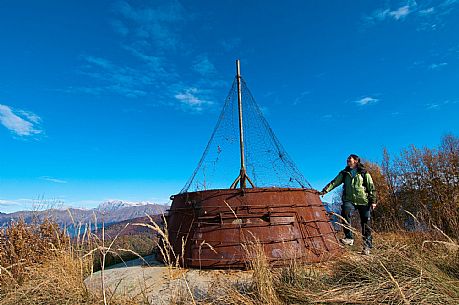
[243,174]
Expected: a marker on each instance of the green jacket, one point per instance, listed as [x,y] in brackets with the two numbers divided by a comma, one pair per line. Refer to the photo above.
[359,190]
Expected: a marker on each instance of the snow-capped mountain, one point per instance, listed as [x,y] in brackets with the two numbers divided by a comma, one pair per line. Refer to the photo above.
[114,205]
[111,211]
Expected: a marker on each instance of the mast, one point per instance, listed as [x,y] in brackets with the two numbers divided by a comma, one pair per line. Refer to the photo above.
[242,173]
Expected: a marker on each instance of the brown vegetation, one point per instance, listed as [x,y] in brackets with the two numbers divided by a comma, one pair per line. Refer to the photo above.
[39,264]
[23,246]
[419,190]
[405,269]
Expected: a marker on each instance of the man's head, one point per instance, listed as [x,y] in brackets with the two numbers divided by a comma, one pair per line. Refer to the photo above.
[353,161]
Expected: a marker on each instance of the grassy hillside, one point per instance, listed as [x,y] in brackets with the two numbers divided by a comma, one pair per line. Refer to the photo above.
[40,265]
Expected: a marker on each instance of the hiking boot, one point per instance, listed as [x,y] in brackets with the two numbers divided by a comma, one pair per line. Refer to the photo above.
[347,241]
[366,251]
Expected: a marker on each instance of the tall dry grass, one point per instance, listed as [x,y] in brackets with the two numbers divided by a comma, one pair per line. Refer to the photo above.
[40,264]
[405,269]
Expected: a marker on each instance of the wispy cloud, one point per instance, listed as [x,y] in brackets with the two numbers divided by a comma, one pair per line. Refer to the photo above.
[300,98]
[150,79]
[151,36]
[449,2]
[19,122]
[429,14]
[204,66]
[438,105]
[191,99]
[119,27]
[438,66]
[51,179]
[155,63]
[230,44]
[398,13]
[427,11]
[432,106]
[368,100]
[22,204]
[156,23]
[113,78]
[401,12]
[16,202]
[148,33]
[7,202]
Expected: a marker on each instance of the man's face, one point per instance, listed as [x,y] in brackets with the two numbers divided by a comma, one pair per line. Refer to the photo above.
[351,162]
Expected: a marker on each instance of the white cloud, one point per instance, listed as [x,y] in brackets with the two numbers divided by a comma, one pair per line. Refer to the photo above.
[22,204]
[432,106]
[401,12]
[189,97]
[427,11]
[51,179]
[30,116]
[7,202]
[430,14]
[13,204]
[19,122]
[396,14]
[366,101]
[438,66]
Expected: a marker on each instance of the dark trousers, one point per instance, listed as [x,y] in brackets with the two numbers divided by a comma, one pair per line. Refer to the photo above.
[365,212]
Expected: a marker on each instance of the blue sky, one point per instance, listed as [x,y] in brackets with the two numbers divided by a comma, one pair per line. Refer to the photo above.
[117,99]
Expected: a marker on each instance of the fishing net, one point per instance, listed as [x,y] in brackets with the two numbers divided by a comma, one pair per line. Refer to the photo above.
[267,163]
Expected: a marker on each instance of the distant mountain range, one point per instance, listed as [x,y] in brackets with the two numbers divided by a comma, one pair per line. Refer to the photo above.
[131,227]
[108,212]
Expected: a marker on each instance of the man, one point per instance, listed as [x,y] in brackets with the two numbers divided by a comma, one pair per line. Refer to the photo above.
[358,194]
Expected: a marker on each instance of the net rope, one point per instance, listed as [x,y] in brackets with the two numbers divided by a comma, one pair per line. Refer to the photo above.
[267,162]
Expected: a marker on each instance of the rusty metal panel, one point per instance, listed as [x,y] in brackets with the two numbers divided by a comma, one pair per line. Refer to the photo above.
[215,224]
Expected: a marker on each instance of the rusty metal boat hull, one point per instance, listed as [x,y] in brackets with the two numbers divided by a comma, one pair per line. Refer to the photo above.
[212,229]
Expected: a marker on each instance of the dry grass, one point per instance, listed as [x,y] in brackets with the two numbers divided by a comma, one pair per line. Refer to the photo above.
[406,268]
[56,281]
[263,278]
[397,273]
[40,266]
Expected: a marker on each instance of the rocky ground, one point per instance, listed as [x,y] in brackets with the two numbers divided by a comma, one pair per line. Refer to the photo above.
[150,280]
